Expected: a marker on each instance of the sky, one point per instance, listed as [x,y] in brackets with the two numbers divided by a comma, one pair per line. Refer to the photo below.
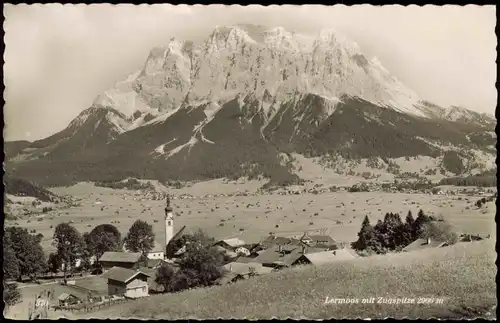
[58,58]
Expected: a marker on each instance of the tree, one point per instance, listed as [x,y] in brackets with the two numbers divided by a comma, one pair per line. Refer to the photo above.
[140,237]
[28,252]
[439,231]
[54,263]
[365,236]
[10,262]
[421,219]
[201,264]
[11,294]
[69,244]
[164,276]
[408,235]
[104,237]
[409,219]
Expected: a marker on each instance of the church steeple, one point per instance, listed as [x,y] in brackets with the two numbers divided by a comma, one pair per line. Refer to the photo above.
[169,223]
[168,208]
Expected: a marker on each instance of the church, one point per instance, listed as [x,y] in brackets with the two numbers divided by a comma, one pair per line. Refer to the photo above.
[160,250]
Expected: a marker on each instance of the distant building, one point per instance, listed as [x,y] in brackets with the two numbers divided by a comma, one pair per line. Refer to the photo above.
[127,282]
[284,256]
[66,299]
[325,257]
[130,260]
[74,294]
[157,252]
[422,244]
[318,240]
[242,251]
[230,244]
[169,222]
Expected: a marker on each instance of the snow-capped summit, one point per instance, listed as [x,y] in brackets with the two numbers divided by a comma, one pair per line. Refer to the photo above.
[248,59]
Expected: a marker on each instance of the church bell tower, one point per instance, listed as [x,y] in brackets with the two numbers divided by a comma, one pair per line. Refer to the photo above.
[169,222]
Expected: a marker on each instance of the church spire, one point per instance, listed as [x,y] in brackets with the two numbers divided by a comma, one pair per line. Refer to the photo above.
[168,208]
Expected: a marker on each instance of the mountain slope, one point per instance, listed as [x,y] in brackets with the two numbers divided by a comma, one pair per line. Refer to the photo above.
[232,105]
[20,187]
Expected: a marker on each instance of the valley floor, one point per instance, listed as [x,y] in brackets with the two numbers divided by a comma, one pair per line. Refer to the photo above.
[251,218]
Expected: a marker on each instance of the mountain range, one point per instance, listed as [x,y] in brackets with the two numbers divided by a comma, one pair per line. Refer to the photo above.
[236,103]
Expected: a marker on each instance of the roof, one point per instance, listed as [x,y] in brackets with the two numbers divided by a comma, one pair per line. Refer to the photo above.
[78,292]
[123,275]
[325,238]
[244,260]
[63,296]
[244,268]
[128,257]
[228,278]
[151,263]
[324,257]
[233,242]
[421,244]
[273,255]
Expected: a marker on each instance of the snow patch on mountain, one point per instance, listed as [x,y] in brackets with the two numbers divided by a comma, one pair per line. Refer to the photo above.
[193,141]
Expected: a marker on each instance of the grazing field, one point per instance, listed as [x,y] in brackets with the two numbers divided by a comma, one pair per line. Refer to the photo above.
[460,279]
[252,217]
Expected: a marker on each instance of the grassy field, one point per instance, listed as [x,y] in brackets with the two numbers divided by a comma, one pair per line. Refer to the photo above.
[253,217]
[462,276]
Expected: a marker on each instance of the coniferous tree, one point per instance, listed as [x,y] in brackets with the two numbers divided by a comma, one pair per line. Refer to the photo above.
[421,219]
[366,236]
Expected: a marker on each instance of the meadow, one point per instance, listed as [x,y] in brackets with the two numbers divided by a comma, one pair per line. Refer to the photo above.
[458,282]
[251,218]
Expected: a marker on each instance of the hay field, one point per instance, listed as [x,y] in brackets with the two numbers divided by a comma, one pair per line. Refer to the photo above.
[253,217]
[460,279]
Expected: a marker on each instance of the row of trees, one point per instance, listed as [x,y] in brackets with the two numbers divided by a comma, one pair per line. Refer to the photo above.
[24,256]
[392,234]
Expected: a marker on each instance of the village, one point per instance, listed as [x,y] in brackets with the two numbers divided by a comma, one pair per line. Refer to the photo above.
[122,276]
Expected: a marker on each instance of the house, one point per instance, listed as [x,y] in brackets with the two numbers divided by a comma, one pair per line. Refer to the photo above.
[131,260]
[157,253]
[230,244]
[153,263]
[227,252]
[242,251]
[75,294]
[66,299]
[421,244]
[319,240]
[247,269]
[467,237]
[127,282]
[325,257]
[244,260]
[273,240]
[284,256]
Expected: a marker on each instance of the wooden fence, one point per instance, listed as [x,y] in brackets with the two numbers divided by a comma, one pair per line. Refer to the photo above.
[91,307]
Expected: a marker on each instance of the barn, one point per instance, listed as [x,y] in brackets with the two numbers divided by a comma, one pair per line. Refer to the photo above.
[130,260]
[127,282]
